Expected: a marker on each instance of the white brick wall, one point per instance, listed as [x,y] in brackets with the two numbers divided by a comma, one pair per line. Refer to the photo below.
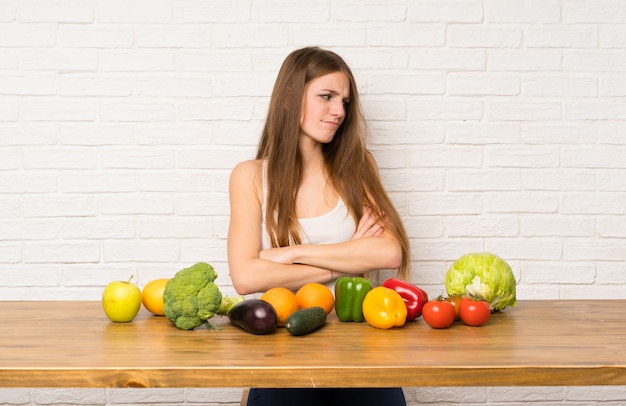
[498,125]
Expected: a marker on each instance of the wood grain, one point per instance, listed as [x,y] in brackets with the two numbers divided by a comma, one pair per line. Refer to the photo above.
[536,343]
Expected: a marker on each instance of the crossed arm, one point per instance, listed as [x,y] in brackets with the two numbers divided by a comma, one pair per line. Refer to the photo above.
[254,270]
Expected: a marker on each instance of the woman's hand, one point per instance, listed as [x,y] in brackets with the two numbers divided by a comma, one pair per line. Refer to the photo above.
[281,255]
[369,225]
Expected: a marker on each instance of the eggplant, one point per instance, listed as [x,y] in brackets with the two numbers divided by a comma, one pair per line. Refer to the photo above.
[254,316]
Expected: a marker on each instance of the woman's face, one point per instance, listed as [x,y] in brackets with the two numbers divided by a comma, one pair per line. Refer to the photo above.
[324,106]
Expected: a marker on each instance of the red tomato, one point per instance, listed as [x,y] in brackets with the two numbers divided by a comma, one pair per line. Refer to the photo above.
[474,312]
[438,313]
[456,301]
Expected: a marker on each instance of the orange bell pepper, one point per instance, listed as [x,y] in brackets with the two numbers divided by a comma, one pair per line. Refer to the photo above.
[384,308]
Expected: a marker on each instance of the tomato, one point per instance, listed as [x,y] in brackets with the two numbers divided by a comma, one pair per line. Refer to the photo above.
[438,313]
[474,312]
[456,301]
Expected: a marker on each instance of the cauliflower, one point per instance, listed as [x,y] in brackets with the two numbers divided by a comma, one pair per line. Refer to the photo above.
[191,297]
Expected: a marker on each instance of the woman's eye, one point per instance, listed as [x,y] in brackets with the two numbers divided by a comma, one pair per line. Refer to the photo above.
[325,96]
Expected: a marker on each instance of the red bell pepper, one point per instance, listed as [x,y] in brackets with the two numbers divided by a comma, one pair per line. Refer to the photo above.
[414,297]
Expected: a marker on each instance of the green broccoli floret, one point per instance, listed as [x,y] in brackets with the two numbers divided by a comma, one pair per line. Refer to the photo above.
[191,297]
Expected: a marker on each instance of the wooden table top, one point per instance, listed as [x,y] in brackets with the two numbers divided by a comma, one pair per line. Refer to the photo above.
[536,343]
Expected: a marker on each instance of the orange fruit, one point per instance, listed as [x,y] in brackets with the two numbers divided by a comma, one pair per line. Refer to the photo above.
[152,296]
[316,294]
[283,301]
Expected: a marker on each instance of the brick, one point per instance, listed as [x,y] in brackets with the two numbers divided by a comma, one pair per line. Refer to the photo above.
[549,225]
[199,11]
[599,203]
[135,11]
[445,157]
[213,109]
[522,157]
[407,35]
[29,85]
[538,249]
[212,60]
[524,110]
[173,36]
[174,227]
[594,157]
[61,252]
[56,109]
[423,180]
[68,205]
[591,249]
[154,250]
[610,180]
[145,395]
[602,11]
[173,86]
[559,86]
[60,59]
[524,60]
[9,58]
[276,11]
[330,36]
[516,202]
[137,158]
[446,11]
[406,132]
[594,60]
[31,275]
[478,36]
[182,181]
[139,110]
[480,84]
[29,229]
[67,11]
[560,36]
[481,226]
[457,59]
[99,228]
[201,204]
[144,60]
[32,181]
[95,134]
[451,108]
[27,35]
[611,273]
[8,110]
[611,227]
[9,159]
[94,36]
[612,36]
[476,180]
[517,394]
[541,133]
[243,84]
[213,251]
[406,84]
[250,35]
[135,203]
[10,253]
[559,179]
[482,133]
[376,11]
[100,182]
[612,85]
[69,396]
[95,85]
[445,204]
[513,11]
[60,158]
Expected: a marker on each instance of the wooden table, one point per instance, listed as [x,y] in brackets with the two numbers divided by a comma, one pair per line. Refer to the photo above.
[536,343]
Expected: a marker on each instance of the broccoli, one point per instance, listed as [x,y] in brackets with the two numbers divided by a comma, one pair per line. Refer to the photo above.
[191,297]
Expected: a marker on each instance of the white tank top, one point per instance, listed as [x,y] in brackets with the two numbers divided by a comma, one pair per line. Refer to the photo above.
[335,226]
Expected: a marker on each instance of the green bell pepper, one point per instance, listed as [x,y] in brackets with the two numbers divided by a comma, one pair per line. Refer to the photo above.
[350,292]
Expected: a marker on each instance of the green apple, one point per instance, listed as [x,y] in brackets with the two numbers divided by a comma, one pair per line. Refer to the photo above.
[121,301]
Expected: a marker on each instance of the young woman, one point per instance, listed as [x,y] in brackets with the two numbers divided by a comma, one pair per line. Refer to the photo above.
[311,207]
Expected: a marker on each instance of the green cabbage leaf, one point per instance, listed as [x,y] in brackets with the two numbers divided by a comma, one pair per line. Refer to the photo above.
[482,275]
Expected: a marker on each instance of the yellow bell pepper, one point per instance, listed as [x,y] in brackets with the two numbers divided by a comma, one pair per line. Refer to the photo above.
[384,308]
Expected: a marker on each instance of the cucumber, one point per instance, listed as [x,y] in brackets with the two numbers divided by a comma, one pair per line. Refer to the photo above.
[305,321]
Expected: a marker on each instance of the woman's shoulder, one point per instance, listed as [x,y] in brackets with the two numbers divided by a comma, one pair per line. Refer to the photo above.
[252,167]
[246,174]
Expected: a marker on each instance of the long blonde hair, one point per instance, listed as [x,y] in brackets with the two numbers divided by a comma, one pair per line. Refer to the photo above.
[346,157]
